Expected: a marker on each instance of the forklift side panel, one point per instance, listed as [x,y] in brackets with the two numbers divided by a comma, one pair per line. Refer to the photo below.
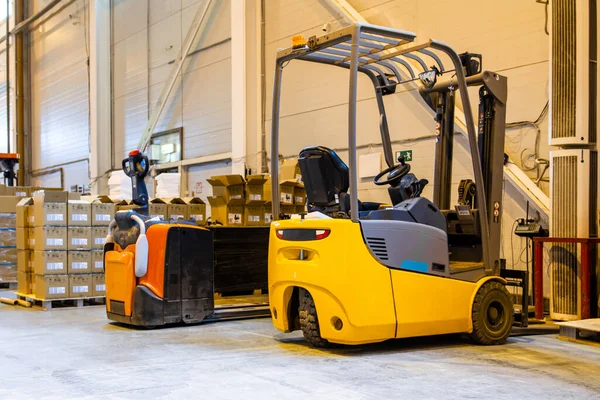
[120,281]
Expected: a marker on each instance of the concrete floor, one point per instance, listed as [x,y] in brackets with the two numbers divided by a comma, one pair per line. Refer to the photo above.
[78,354]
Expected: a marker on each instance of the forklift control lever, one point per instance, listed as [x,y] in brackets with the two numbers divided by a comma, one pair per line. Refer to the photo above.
[136,167]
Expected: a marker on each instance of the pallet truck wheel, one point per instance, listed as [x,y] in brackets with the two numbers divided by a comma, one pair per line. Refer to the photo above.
[309,322]
[492,314]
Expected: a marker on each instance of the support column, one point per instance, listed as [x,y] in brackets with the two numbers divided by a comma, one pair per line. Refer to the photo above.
[238,86]
[100,96]
[20,90]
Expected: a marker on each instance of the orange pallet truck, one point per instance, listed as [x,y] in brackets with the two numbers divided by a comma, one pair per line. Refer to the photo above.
[160,272]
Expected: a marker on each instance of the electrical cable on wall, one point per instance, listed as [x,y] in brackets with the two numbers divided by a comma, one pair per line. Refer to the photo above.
[525,158]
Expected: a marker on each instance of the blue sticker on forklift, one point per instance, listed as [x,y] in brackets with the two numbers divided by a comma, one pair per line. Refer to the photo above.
[416,266]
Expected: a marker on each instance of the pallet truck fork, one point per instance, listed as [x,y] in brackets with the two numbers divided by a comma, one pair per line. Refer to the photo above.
[160,272]
[350,272]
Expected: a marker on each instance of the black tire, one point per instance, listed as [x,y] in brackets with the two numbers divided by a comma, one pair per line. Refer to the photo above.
[492,314]
[309,322]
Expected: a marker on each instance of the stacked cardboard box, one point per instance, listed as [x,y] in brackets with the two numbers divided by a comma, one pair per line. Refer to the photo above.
[228,200]
[248,202]
[55,238]
[196,209]
[8,239]
[24,252]
[103,211]
[258,200]
[291,189]
[48,241]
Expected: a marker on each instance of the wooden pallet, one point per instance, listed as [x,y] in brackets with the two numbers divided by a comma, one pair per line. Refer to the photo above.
[49,304]
[255,292]
[8,285]
[586,331]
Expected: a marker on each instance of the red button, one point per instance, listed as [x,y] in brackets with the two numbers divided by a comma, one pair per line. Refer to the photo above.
[134,153]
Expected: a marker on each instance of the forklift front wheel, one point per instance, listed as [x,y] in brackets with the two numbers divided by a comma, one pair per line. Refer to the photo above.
[492,314]
[309,322]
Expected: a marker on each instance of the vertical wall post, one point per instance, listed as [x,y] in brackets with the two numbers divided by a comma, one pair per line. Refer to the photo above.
[238,86]
[20,89]
[100,95]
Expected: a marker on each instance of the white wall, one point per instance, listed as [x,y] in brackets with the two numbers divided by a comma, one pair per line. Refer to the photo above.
[314,100]
[147,34]
[3,85]
[59,90]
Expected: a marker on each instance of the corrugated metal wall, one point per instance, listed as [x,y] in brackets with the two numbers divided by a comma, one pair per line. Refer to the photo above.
[146,38]
[3,83]
[60,91]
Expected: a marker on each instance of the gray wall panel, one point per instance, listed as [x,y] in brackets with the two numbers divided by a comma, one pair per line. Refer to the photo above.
[59,90]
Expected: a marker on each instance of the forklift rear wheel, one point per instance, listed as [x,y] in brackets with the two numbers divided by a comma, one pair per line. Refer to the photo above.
[309,322]
[492,314]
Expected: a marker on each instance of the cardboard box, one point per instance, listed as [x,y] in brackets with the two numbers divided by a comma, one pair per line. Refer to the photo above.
[196,210]
[8,204]
[287,209]
[24,282]
[99,234]
[8,220]
[22,238]
[8,273]
[226,215]
[97,261]
[48,238]
[103,211]
[80,285]
[50,208]
[22,191]
[98,285]
[51,287]
[30,238]
[124,205]
[258,189]
[158,208]
[286,192]
[177,209]
[79,262]
[254,216]
[8,237]
[299,194]
[24,261]
[79,238]
[50,262]
[268,214]
[7,190]
[228,187]
[30,216]
[22,210]
[290,170]
[8,255]
[79,213]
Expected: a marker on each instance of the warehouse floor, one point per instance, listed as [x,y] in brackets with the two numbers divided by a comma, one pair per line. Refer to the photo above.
[77,353]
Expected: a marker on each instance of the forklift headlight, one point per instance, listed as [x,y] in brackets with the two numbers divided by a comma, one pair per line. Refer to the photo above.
[301,235]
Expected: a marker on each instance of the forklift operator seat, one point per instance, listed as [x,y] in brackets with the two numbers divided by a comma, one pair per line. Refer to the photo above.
[326,180]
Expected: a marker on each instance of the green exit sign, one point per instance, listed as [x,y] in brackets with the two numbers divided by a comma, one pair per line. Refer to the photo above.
[407,154]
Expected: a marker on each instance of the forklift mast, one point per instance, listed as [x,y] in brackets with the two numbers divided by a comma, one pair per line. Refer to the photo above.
[491,131]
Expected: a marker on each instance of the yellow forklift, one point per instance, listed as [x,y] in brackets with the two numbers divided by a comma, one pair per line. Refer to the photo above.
[350,272]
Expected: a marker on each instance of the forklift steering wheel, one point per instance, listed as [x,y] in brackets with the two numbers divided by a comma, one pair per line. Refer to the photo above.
[395,172]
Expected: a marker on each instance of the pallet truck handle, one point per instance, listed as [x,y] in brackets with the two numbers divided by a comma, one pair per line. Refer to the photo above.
[141,248]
